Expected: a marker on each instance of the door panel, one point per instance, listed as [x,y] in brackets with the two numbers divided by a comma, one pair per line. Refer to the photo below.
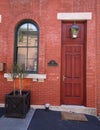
[73,66]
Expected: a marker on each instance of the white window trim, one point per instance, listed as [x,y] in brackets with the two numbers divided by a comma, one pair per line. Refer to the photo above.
[75,16]
[34,77]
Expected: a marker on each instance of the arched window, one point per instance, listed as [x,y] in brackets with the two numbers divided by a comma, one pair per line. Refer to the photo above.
[26,46]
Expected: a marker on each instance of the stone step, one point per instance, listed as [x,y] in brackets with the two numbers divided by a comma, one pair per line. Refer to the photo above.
[77,109]
[71,108]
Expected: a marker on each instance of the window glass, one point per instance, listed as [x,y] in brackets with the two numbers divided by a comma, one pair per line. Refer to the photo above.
[27,46]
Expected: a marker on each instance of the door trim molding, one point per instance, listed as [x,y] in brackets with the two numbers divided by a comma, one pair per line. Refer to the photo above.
[74,16]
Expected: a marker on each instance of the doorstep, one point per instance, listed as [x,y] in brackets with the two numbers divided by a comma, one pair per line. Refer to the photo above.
[71,108]
[79,109]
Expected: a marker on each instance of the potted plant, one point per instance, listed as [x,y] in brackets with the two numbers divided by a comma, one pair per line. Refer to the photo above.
[17,103]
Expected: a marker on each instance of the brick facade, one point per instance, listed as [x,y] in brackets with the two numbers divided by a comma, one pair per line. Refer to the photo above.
[98,56]
[44,13]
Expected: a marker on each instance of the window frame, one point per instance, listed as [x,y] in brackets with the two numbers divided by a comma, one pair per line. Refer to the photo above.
[16,40]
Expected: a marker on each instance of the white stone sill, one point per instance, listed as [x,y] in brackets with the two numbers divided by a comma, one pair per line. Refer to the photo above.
[75,16]
[34,77]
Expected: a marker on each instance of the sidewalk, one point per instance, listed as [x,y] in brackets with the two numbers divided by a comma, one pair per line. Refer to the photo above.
[51,120]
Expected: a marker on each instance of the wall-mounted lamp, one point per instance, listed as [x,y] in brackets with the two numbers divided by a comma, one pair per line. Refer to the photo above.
[74,30]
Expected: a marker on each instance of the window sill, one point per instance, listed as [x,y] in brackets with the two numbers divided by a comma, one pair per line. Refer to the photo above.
[34,77]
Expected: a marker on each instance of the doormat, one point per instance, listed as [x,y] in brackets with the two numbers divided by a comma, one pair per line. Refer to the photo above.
[73,116]
[16,123]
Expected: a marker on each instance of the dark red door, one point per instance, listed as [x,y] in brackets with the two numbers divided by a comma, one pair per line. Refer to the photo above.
[73,65]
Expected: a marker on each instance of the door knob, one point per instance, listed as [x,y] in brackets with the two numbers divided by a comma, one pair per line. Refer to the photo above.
[64,77]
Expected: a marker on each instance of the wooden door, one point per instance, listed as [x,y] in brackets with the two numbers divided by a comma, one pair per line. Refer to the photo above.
[73,65]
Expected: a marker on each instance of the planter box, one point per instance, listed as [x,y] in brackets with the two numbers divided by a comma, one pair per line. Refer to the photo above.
[17,105]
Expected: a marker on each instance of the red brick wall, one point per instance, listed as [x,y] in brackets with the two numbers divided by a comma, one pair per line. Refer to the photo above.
[98,55]
[44,13]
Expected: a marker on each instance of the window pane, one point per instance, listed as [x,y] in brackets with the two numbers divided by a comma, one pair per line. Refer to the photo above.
[21,56]
[32,27]
[32,53]
[32,40]
[32,59]
[22,35]
[32,35]
[30,65]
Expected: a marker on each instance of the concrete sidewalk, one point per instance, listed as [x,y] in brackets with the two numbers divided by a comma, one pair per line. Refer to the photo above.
[16,123]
